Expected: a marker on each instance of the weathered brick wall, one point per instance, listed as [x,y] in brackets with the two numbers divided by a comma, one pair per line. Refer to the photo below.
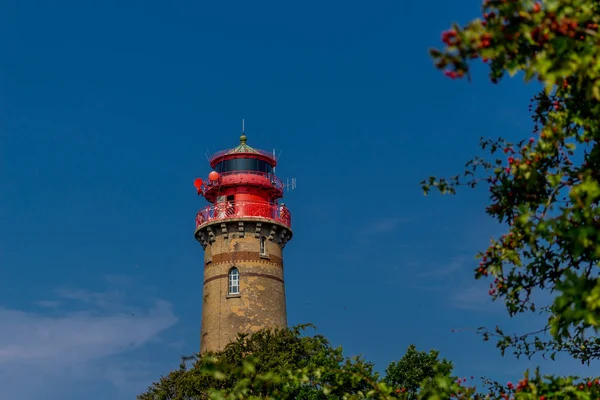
[261,302]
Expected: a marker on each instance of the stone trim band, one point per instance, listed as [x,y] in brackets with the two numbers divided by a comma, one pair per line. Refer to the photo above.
[212,278]
[244,256]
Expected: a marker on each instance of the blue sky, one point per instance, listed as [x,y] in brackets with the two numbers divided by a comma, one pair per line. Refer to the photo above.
[106,112]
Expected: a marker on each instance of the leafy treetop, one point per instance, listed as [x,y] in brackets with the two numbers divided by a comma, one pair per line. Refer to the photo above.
[545,188]
[282,364]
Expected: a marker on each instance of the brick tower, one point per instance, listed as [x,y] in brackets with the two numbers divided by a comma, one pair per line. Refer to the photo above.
[243,232]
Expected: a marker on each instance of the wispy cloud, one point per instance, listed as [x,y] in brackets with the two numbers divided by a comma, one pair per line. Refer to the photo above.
[107,299]
[454,265]
[472,297]
[383,225]
[48,303]
[76,337]
[43,351]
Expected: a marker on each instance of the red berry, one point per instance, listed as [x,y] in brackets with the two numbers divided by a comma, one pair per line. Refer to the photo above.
[447,36]
[451,74]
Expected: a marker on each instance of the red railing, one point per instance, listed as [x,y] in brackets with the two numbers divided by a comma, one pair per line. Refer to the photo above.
[240,209]
[228,177]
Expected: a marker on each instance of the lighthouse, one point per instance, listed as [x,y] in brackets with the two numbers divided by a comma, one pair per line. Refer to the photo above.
[243,231]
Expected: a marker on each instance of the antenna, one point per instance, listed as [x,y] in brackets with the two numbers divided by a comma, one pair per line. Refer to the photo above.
[275,159]
[243,126]
[290,184]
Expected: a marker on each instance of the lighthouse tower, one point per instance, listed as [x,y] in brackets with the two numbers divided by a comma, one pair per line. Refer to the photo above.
[243,232]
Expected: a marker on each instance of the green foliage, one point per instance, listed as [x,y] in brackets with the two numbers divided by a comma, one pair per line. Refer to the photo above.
[546,188]
[284,364]
[279,363]
[415,367]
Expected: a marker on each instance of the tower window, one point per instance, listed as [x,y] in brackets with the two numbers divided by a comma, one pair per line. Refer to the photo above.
[234,281]
[244,164]
[263,246]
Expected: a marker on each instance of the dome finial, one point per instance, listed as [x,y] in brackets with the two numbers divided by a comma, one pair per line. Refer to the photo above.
[243,138]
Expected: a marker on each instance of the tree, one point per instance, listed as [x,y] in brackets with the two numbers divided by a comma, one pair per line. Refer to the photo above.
[415,367]
[544,189]
[279,363]
[282,364]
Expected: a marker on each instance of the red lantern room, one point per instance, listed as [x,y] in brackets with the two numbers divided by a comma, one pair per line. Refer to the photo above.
[242,184]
